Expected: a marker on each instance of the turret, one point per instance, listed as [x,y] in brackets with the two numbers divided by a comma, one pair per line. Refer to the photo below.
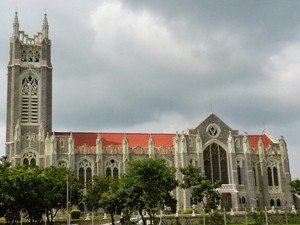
[125,152]
[183,146]
[230,143]
[283,148]
[41,132]
[151,147]
[246,144]
[98,153]
[71,144]
[261,150]
[45,27]
[199,143]
[53,143]
[16,26]
[99,147]
[176,142]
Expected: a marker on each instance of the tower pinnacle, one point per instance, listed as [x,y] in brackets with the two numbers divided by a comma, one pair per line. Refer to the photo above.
[16,25]
[45,26]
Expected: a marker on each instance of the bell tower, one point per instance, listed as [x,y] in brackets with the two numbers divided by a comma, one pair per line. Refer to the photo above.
[29,95]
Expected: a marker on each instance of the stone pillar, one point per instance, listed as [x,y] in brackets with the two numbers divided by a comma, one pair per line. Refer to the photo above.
[249,175]
[151,147]
[263,182]
[53,156]
[199,150]
[231,158]
[184,162]
[99,160]
[285,174]
[125,153]
[71,151]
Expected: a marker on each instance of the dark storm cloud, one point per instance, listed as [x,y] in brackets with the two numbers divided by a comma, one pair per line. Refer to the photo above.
[159,65]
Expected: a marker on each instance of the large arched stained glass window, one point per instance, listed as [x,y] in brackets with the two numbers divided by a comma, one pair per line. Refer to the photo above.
[215,163]
[29,100]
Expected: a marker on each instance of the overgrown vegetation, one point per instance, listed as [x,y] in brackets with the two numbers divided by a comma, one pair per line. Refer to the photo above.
[35,191]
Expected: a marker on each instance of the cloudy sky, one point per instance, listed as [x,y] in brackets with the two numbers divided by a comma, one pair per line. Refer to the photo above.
[158,66]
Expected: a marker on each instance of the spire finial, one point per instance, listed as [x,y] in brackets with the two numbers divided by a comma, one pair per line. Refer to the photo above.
[16,25]
[45,26]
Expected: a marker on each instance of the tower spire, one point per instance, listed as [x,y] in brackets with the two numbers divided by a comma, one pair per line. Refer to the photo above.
[16,25]
[45,26]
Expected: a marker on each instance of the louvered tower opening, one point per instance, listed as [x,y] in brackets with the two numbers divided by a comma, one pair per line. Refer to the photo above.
[30,100]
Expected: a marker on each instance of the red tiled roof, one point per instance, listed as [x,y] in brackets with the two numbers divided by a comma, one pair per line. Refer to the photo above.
[141,139]
[116,139]
[254,141]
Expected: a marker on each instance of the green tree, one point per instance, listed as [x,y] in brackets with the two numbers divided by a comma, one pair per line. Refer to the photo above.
[113,200]
[7,203]
[55,190]
[35,191]
[148,184]
[27,191]
[201,187]
[107,193]
[95,189]
[295,186]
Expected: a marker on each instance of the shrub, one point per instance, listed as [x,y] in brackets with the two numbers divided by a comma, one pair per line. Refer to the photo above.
[258,217]
[75,214]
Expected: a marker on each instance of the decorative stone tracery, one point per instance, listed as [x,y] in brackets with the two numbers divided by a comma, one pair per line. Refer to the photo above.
[112,168]
[85,171]
[29,158]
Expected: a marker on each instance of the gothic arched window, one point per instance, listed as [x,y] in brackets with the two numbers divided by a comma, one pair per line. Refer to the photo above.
[272,171]
[278,202]
[30,100]
[275,176]
[243,200]
[85,171]
[112,168]
[272,202]
[215,163]
[254,175]
[239,173]
[270,179]
[29,158]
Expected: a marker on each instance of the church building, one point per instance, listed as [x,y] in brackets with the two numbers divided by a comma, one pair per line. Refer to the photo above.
[253,168]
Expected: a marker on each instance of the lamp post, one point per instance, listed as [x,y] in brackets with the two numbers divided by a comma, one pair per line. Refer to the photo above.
[68,214]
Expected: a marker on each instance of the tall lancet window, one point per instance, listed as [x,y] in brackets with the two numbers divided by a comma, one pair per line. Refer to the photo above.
[112,168]
[85,171]
[215,163]
[30,100]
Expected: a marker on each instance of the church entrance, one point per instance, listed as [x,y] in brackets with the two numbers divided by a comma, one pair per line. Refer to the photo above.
[226,201]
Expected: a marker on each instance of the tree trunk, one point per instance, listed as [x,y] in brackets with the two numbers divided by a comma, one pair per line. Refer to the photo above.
[143,218]
[150,217]
[112,218]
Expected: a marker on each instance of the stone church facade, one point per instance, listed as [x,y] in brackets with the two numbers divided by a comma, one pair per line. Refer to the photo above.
[254,169]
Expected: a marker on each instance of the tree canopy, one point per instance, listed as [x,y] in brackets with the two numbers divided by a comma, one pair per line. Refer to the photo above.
[107,193]
[295,186]
[201,187]
[35,191]
[148,184]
